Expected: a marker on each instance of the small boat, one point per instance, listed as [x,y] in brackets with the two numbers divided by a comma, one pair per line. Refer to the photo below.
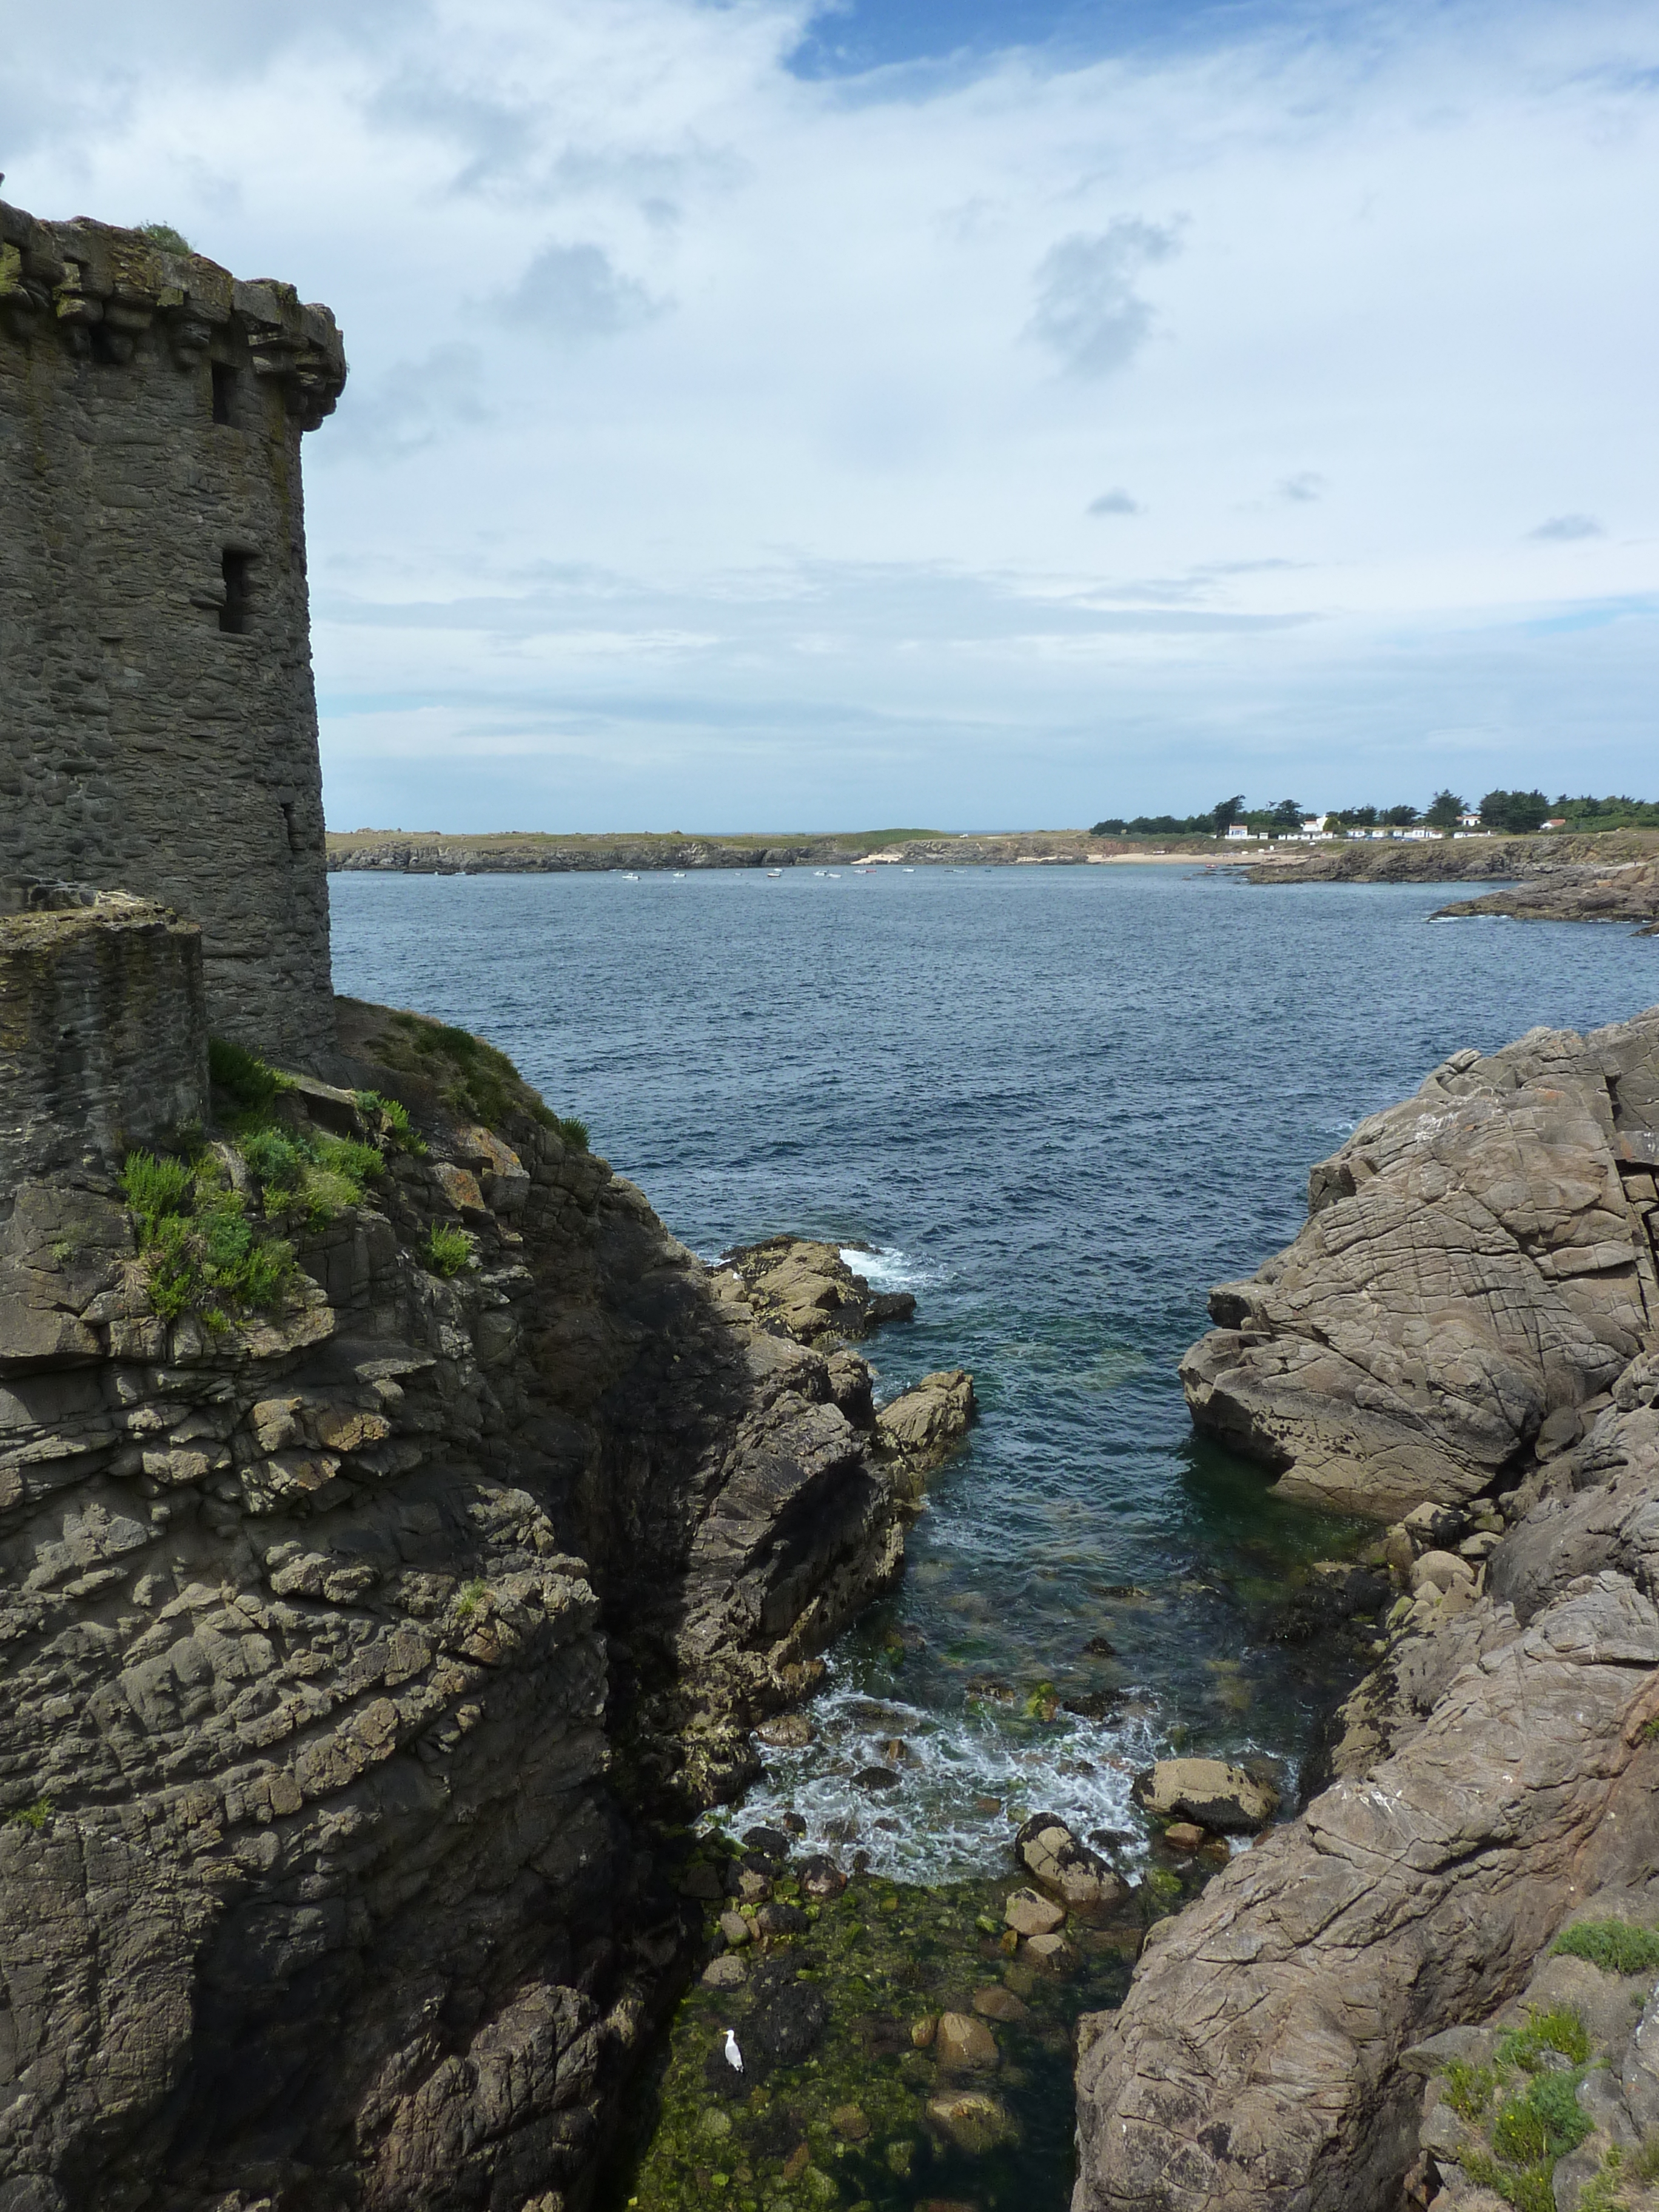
[834,875]
[909,872]
[628,877]
[679,875]
[817,872]
[861,871]
[773,874]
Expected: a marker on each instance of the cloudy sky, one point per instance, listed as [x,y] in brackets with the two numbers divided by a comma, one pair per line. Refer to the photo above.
[958,413]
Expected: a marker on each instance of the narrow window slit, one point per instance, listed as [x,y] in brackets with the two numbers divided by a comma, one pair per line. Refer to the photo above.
[232,615]
[224,393]
[291,825]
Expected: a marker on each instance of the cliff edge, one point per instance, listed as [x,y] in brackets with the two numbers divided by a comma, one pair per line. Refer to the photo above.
[400,1533]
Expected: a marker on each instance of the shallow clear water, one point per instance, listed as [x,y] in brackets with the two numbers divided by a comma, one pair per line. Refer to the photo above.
[1060,1102]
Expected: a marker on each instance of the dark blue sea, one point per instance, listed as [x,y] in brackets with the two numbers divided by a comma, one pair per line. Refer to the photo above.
[1058,1103]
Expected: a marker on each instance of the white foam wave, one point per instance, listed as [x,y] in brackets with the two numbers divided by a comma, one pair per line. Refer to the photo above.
[889,1269]
[965,1784]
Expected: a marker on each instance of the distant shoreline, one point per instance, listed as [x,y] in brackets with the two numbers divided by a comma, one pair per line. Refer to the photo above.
[433,852]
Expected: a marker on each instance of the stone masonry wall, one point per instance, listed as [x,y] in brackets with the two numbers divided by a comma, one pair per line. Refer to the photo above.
[103,1032]
[158,727]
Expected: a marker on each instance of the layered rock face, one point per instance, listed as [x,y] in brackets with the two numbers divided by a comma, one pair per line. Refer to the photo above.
[1477,1269]
[1294,2038]
[354,1650]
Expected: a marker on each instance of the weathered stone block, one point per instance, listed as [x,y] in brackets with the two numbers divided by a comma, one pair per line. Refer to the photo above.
[103,1032]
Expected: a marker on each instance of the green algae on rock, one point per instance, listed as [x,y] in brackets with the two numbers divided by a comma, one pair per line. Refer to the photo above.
[906,2046]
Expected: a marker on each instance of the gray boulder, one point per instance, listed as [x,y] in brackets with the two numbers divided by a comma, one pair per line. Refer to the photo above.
[1222,1798]
[1475,1261]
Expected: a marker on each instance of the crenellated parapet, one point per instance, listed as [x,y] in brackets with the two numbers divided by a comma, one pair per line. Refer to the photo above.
[102,293]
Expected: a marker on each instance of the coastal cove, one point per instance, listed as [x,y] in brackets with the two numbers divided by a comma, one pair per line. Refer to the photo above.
[1058,1103]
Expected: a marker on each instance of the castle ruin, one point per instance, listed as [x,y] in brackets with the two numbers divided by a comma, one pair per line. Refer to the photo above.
[158,723]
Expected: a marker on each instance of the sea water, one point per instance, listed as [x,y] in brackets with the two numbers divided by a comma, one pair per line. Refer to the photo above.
[1057,1103]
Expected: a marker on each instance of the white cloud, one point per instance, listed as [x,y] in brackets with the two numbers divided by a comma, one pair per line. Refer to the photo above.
[1088,310]
[1564,528]
[808,389]
[414,403]
[576,292]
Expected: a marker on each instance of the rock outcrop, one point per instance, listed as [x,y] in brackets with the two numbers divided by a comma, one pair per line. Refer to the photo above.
[1223,1799]
[925,1423]
[358,1651]
[1477,1269]
[1457,859]
[1294,2038]
[1627,893]
[807,1289]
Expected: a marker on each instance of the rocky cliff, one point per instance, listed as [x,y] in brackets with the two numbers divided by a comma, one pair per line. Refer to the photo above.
[371,1624]
[1438,1982]
[1476,1271]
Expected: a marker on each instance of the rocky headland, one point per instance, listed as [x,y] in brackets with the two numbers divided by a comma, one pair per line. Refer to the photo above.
[1438,1982]
[1455,859]
[401,1536]
[1626,891]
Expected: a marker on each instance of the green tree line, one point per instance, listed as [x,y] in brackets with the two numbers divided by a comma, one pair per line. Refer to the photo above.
[1516,812]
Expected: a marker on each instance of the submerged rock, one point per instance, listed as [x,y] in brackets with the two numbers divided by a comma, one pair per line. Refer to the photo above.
[995,2003]
[785,2027]
[965,2043]
[1053,1954]
[975,2121]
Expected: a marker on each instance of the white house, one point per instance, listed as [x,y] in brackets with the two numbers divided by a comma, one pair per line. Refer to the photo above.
[1238,829]
[1468,820]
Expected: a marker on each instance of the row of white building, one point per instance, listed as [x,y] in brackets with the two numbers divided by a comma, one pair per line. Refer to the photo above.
[1313,829]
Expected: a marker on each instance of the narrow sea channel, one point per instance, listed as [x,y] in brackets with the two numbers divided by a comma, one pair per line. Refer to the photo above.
[1057,1103]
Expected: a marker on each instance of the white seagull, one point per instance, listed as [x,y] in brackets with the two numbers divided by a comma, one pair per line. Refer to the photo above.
[733,2056]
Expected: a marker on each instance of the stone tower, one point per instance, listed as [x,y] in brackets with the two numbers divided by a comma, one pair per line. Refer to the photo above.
[158,723]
